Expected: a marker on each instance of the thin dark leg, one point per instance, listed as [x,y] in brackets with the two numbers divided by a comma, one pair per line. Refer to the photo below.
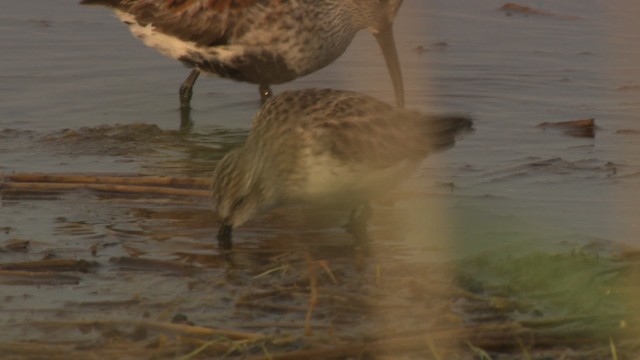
[358,220]
[186,89]
[224,237]
[185,120]
[265,92]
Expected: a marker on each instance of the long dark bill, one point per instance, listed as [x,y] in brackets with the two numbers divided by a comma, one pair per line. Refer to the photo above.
[388,45]
[224,236]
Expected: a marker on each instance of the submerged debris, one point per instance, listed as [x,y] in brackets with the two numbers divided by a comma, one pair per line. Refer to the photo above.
[578,128]
[51,265]
[15,245]
[438,46]
[511,8]
[151,283]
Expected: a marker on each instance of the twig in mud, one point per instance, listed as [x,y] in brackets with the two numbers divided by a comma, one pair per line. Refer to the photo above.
[106,304]
[17,277]
[153,264]
[113,188]
[15,245]
[84,350]
[361,301]
[50,265]
[579,128]
[204,347]
[34,349]
[325,265]
[284,268]
[525,10]
[271,307]
[167,181]
[278,325]
[503,334]
[181,329]
[219,344]
[266,294]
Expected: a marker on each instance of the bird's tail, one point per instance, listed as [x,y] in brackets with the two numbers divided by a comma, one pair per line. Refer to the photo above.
[443,130]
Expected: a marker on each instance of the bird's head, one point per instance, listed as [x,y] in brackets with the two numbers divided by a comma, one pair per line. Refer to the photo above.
[234,192]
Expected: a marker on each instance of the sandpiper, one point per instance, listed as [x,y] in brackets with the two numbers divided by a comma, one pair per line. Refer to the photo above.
[325,147]
[259,41]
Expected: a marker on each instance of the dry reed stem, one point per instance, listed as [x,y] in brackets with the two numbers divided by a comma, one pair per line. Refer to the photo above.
[393,345]
[265,294]
[486,337]
[219,346]
[271,307]
[114,188]
[167,181]
[313,298]
[153,264]
[50,265]
[215,345]
[358,300]
[278,325]
[15,277]
[35,349]
[180,329]
[325,265]
[65,351]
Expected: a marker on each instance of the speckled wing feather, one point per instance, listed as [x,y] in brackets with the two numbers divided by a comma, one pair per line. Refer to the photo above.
[203,22]
[385,135]
[390,136]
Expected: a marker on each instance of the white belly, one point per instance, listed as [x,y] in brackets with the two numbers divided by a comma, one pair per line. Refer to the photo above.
[330,181]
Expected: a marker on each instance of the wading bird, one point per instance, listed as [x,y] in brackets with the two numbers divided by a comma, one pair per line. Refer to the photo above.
[325,148]
[262,42]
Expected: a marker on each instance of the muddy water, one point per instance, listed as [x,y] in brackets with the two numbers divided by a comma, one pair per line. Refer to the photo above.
[79,94]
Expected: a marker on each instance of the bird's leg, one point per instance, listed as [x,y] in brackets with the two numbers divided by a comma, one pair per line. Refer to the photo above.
[358,219]
[186,89]
[265,92]
[224,236]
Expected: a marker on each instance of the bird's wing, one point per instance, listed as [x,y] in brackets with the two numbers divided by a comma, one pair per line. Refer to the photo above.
[351,127]
[204,22]
[362,130]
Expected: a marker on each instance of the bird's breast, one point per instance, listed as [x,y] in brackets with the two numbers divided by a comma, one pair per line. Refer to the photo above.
[331,180]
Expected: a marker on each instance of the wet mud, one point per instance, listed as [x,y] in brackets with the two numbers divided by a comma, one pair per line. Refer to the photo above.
[139,275]
[518,243]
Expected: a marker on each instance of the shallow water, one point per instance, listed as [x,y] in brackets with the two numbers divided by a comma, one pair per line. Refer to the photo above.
[69,74]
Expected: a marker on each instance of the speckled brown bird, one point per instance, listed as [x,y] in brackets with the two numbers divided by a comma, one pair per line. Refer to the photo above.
[325,148]
[259,41]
